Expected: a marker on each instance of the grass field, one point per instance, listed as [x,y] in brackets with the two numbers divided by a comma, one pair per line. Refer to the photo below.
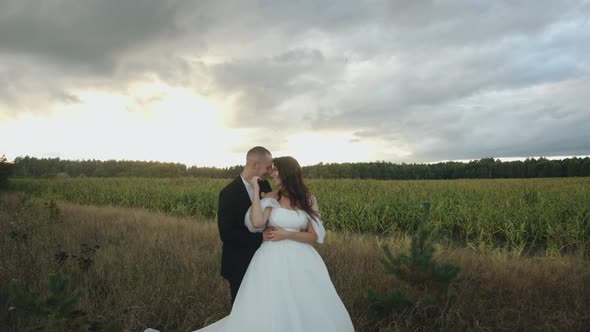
[156,270]
[530,216]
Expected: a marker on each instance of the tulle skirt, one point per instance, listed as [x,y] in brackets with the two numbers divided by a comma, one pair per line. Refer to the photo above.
[286,288]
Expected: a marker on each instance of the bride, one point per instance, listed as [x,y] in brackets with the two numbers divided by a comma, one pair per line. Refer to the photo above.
[287,287]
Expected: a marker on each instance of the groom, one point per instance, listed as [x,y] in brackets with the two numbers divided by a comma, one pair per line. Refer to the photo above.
[235,199]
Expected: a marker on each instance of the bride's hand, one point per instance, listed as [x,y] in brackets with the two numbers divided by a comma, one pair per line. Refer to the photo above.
[254,183]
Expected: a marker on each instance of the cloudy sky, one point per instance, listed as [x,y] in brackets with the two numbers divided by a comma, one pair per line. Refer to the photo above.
[200,82]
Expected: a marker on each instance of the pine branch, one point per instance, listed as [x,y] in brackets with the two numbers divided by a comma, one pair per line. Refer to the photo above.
[428,282]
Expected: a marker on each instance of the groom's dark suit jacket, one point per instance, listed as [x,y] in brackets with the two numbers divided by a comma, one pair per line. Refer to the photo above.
[239,244]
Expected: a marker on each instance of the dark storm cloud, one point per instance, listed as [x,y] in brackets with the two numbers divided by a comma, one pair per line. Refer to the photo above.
[92,33]
[261,85]
[49,48]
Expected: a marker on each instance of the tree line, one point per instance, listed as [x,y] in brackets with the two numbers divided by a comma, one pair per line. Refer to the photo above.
[486,168]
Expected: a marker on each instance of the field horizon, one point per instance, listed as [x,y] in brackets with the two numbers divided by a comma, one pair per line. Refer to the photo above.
[528,216]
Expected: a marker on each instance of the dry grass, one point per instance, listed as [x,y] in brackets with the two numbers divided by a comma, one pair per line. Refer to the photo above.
[160,271]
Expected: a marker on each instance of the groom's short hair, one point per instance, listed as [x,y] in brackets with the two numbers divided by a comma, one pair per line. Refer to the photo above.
[258,153]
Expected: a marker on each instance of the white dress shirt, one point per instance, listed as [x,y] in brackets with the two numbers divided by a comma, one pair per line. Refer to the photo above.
[248,188]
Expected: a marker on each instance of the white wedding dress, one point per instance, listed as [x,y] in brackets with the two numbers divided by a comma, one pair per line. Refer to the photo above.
[287,287]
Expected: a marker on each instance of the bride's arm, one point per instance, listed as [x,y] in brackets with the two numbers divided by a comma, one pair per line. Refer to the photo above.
[258,218]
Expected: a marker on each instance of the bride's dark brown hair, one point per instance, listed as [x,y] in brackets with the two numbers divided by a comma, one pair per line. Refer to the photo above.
[292,184]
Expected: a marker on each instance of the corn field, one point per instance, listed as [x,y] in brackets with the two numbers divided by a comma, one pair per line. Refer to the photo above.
[537,216]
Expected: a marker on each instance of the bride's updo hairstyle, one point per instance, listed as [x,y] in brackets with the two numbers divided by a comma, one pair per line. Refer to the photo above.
[292,184]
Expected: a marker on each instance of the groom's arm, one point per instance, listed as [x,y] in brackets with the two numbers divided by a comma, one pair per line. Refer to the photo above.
[231,226]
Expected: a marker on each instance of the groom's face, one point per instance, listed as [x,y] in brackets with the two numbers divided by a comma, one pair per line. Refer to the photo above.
[264,168]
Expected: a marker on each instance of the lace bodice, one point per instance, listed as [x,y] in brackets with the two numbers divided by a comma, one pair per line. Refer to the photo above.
[292,220]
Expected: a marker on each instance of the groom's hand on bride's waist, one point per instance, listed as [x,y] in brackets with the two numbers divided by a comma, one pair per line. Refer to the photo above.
[266,233]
